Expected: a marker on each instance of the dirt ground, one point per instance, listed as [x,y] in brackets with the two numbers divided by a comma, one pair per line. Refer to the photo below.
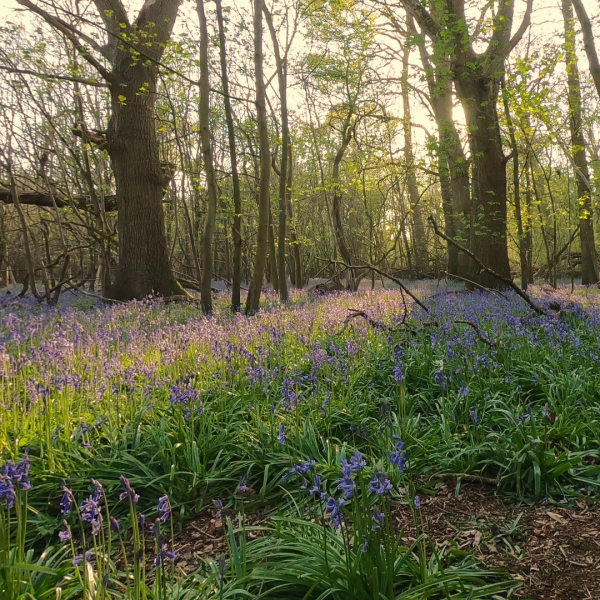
[553,551]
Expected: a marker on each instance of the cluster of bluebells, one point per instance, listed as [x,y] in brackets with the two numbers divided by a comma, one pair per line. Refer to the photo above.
[14,476]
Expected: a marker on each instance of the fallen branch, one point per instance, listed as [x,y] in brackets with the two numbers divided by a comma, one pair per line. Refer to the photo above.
[509,282]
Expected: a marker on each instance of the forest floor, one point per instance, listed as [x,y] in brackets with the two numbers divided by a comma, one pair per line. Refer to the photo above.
[554,551]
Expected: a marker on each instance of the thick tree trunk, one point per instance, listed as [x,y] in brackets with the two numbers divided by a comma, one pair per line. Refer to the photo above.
[478,96]
[589,258]
[253,301]
[209,169]
[144,267]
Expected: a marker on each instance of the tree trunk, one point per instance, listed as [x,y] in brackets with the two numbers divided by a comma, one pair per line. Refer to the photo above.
[452,164]
[338,226]
[589,258]
[144,268]
[235,178]
[253,301]
[419,237]
[478,96]
[588,42]
[281,67]
[209,169]
[516,191]
[272,264]
[294,242]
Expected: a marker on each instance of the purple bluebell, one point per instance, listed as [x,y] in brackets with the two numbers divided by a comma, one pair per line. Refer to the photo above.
[164,508]
[380,484]
[346,485]
[282,438]
[334,508]
[378,518]
[129,491]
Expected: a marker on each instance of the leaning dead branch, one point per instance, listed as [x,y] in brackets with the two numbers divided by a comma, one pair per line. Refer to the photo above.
[508,282]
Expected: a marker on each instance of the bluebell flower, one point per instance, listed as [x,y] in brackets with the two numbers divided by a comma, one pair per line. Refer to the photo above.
[364,546]
[65,535]
[397,459]
[129,491]
[417,502]
[334,508]
[474,418]
[378,518]
[380,484]
[301,468]
[282,437]
[346,485]
[114,524]
[65,501]
[164,508]
[164,554]
[316,488]
[356,464]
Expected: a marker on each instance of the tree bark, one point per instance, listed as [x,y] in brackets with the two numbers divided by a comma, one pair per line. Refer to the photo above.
[589,258]
[235,178]
[144,268]
[588,42]
[419,237]
[209,169]
[338,226]
[281,67]
[294,241]
[478,96]
[253,300]
[516,191]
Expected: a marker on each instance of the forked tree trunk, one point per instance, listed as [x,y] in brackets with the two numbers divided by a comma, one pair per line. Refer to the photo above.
[281,67]
[452,163]
[589,258]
